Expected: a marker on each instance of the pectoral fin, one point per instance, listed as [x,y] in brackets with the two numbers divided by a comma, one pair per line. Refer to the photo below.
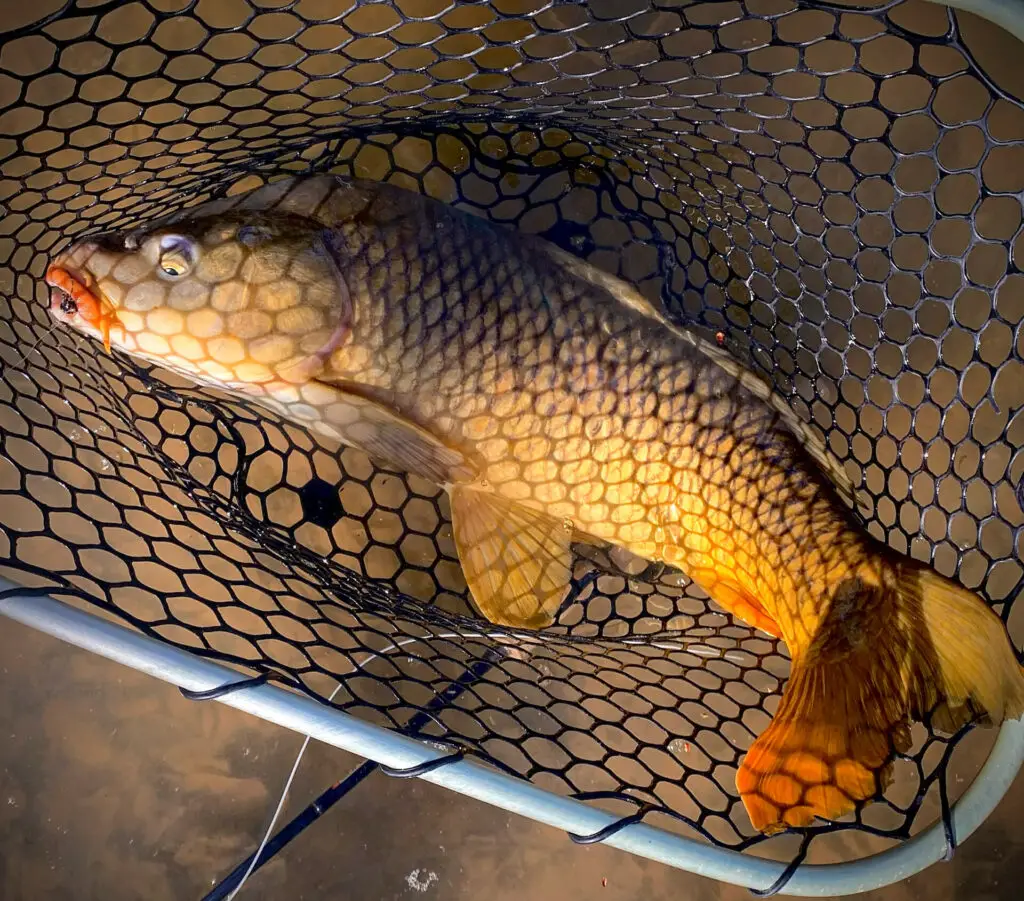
[390,438]
[517,562]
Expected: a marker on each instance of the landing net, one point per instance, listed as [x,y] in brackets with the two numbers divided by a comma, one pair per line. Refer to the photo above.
[834,189]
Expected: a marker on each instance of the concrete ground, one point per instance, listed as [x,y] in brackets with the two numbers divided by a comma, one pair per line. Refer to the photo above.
[114,787]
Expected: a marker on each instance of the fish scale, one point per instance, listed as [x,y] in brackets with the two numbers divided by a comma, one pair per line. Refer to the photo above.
[555,404]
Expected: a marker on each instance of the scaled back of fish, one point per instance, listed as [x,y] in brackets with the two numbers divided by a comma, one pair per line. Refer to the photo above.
[555,404]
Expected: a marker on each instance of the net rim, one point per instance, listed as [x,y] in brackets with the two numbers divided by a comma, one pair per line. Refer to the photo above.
[1007,14]
[309,717]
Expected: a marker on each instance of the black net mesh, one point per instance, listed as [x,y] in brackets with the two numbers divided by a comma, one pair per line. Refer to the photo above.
[836,191]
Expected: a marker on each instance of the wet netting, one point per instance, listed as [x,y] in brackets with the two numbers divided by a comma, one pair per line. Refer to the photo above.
[833,191]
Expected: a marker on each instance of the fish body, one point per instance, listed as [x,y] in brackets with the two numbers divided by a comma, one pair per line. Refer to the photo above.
[555,404]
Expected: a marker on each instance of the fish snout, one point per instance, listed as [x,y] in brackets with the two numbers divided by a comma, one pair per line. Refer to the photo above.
[75,268]
[63,277]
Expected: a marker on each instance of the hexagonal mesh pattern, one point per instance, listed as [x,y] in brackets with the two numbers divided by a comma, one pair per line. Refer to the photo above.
[837,191]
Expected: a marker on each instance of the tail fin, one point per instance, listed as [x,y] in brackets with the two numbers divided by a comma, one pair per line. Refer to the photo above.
[883,655]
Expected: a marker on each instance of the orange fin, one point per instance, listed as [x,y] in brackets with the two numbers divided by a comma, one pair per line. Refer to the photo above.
[823,752]
[884,654]
[745,606]
[726,591]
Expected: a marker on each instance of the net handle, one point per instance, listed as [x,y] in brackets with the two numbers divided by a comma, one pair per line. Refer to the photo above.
[308,717]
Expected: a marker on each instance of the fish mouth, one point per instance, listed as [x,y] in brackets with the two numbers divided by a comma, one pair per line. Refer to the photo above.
[75,298]
[63,280]
[62,304]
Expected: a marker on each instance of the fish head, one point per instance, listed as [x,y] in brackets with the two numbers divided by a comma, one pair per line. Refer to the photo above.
[238,299]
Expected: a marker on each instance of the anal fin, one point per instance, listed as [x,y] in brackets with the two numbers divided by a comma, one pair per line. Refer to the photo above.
[517,561]
[743,605]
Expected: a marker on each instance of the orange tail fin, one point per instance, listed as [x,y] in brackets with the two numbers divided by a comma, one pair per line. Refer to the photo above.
[883,656]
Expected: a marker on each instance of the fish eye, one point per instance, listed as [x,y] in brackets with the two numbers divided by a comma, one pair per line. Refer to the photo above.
[68,306]
[176,256]
[173,265]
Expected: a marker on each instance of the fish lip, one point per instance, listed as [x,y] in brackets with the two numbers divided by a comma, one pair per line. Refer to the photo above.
[62,305]
[71,286]
[59,298]
[61,263]
[82,277]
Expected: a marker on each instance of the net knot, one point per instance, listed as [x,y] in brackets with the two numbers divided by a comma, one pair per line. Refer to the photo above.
[220,691]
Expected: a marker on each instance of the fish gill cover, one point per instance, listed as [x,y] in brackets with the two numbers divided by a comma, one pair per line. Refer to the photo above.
[834,191]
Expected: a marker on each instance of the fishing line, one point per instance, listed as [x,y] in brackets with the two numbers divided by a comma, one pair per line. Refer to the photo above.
[277,811]
[32,349]
[298,760]
[256,858]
